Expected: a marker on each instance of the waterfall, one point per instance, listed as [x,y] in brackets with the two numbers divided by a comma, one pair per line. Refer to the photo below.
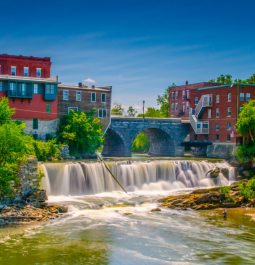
[84,178]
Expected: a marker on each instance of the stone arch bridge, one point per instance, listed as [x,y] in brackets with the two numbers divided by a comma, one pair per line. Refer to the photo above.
[166,135]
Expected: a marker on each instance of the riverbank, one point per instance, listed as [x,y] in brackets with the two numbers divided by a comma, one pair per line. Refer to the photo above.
[213,198]
[29,214]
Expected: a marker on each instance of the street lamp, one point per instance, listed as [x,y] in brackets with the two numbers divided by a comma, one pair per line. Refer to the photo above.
[143,108]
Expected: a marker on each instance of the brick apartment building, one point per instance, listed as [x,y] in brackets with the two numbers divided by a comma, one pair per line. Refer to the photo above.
[32,92]
[84,98]
[211,108]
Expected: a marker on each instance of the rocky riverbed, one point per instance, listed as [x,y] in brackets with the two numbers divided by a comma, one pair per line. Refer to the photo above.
[206,199]
[28,213]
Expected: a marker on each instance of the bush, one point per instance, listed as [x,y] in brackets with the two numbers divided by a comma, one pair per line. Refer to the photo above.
[225,189]
[248,189]
[46,151]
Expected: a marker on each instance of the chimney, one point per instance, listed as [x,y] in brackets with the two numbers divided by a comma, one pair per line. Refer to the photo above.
[80,84]
[187,82]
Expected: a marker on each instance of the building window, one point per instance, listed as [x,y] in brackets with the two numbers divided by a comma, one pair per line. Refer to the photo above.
[176,106]
[65,95]
[176,94]
[172,106]
[196,100]
[48,108]
[248,96]
[1,86]
[229,97]
[38,72]
[93,97]
[217,138]
[103,97]
[187,92]
[102,113]
[187,105]
[183,94]
[172,95]
[228,111]
[217,112]
[26,71]
[228,126]
[23,89]
[50,89]
[241,96]
[35,124]
[72,109]
[217,127]
[217,98]
[78,95]
[228,138]
[13,89]
[13,70]
[36,88]
[209,113]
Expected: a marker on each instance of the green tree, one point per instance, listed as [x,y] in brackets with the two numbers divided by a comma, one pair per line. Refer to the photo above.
[223,79]
[117,109]
[131,111]
[6,112]
[152,113]
[245,126]
[163,102]
[82,133]
[141,143]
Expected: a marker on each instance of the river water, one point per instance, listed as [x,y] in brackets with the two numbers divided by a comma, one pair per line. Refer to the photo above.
[104,225]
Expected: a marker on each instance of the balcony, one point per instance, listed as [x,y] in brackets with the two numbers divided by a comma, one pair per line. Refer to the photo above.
[20,93]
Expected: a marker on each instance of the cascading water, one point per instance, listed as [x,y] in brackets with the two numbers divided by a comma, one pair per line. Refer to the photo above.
[84,178]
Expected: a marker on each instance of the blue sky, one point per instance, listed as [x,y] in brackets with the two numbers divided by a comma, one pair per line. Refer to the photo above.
[139,47]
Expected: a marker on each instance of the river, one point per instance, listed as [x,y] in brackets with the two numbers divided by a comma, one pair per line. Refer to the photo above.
[104,225]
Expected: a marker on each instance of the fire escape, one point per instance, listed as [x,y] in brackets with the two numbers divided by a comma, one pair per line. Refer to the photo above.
[200,127]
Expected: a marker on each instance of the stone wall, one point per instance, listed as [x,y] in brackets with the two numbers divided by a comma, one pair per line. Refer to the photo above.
[30,178]
[44,127]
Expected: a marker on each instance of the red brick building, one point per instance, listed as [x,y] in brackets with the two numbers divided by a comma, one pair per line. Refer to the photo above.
[211,108]
[32,92]
[85,98]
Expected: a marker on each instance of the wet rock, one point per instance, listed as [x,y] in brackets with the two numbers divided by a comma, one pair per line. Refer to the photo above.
[211,198]
[156,210]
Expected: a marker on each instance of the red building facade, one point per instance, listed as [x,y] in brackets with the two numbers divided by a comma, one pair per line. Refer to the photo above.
[32,92]
[213,109]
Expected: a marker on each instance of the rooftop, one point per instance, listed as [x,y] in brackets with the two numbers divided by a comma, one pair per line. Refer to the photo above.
[83,87]
[223,86]
[9,56]
[53,79]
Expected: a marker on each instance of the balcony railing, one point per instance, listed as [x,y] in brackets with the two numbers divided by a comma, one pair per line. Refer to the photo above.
[205,101]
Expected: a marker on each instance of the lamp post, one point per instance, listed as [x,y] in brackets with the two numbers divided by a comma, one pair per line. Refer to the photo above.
[143,108]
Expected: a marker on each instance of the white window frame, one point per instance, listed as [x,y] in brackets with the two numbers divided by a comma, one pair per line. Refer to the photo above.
[91,97]
[242,98]
[229,127]
[209,113]
[36,88]
[246,96]
[23,87]
[76,95]
[102,97]
[40,70]
[103,111]
[26,68]
[176,106]
[14,67]
[64,95]
[217,112]
[228,112]
[217,98]
[73,108]
[229,97]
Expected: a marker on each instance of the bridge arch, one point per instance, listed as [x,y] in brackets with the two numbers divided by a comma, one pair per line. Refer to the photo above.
[114,144]
[161,143]
[166,136]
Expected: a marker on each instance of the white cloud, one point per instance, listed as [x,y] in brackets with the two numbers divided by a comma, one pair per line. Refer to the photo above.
[89,80]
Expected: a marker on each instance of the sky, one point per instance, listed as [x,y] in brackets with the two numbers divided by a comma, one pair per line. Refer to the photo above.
[139,47]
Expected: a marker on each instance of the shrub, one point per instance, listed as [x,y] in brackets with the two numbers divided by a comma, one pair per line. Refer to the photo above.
[248,189]
[46,151]
[225,189]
